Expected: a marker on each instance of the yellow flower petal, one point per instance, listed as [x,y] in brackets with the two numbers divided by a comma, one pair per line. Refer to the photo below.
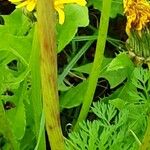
[61,15]
[31,5]
[138,14]
[22,4]
[15,1]
[79,2]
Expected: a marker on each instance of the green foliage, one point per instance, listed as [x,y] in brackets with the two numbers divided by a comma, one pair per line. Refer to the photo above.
[121,122]
[120,117]
[122,61]
[109,131]
[17,116]
[73,20]
[22,121]
[116,8]
[74,96]
[115,71]
[15,48]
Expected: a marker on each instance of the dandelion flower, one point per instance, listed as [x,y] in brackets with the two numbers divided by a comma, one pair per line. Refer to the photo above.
[137,13]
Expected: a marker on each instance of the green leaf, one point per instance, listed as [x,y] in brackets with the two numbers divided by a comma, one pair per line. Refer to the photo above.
[29,140]
[6,130]
[19,121]
[84,68]
[75,16]
[10,43]
[87,67]
[115,77]
[16,34]
[116,7]
[109,131]
[121,92]
[8,75]
[105,112]
[121,61]
[16,23]
[118,103]
[115,71]
[63,87]
[74,96]
[17,116]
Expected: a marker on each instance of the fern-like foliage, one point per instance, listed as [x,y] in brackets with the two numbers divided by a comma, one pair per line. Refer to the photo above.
[109,131]
[120,123]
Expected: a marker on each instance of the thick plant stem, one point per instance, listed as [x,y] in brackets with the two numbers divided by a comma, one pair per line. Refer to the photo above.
[93,78]
[146,140]
[46,28]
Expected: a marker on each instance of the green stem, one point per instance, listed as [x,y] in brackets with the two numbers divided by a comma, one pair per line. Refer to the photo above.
[46,29]
[73,61]
[36,99]
[146,140]
[93,78]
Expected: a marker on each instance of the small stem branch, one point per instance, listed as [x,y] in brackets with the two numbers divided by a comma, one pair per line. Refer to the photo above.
[104,21]
[46,26]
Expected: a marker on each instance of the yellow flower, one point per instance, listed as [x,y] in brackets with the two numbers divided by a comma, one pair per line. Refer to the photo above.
[29,4]
[58,5]
[137,13]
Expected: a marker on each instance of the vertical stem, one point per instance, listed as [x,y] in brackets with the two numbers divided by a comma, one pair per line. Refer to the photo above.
[93,78]
[146,140]
[46,28]
[36,99]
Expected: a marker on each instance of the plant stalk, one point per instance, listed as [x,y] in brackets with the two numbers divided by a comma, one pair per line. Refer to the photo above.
[46,29]
[146,140]
[93,78]
[36,99]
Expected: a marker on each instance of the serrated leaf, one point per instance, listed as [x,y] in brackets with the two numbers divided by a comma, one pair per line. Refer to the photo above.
[75,16]
[14,34]
[17,115]
[6,130]
[96,136]
[16,23]
[9,76]
[10,42]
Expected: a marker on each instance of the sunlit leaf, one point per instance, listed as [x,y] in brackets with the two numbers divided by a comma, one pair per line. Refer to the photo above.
[76,16]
